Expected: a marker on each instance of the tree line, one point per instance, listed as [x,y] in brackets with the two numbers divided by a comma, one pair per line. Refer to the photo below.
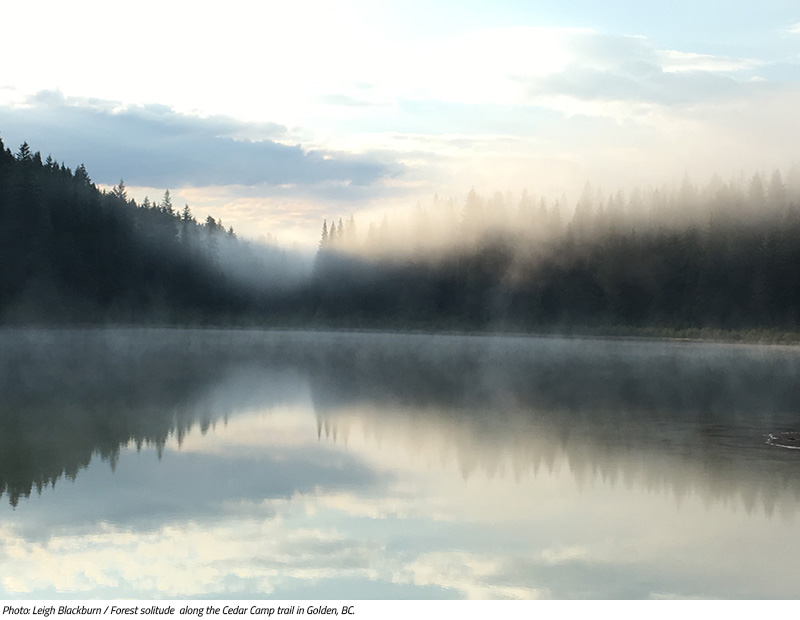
[726,256]
[723,256]
[70,252]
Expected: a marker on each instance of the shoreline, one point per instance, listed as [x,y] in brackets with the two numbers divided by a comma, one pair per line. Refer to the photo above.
[753,336]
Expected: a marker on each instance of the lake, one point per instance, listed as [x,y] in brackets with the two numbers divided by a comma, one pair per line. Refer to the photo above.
[168,463]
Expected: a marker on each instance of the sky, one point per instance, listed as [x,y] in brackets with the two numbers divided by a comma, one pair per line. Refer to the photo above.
[275,115]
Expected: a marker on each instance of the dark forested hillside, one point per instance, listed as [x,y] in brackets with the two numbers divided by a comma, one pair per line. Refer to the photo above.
[72,253]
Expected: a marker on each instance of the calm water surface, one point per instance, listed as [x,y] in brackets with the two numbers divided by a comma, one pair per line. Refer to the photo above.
[296,465]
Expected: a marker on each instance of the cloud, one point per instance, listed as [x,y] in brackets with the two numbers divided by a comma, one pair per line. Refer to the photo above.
[252,556]
[674,61]
[631,69]
[152,145]
[643,86]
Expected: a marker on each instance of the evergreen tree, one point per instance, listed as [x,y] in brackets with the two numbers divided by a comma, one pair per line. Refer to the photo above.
[186,214]
[324,240]
[776,194]
[120,191]
[166,204]
[24,152]
[82,176]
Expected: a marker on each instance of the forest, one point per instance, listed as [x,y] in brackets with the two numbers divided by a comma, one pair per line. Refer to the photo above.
[71,253]
[725,256]
[721,257]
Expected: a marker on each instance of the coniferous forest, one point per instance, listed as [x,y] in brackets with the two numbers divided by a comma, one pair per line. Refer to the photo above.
[726,257]
[72,253]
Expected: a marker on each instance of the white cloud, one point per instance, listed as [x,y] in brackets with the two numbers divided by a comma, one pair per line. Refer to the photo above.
[631,69]
[472,574]
[675,61]
[255,555]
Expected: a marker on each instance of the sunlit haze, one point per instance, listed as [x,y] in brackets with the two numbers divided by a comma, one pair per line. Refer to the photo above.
[273,116]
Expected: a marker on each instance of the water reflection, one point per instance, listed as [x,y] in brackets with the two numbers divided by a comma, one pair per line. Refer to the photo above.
[355,465]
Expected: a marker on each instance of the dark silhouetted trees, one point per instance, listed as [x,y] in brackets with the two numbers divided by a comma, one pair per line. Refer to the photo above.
[70,252]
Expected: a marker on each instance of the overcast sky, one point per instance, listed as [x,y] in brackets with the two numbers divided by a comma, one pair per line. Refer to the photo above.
[274,115]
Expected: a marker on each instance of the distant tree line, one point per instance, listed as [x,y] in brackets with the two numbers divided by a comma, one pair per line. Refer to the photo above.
[726,257]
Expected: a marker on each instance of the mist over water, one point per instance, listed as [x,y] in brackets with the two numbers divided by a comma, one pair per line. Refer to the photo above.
[329,464]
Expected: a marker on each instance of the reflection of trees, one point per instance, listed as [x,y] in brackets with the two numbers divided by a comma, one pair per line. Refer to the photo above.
[66,396]
[684,417]
[680,417]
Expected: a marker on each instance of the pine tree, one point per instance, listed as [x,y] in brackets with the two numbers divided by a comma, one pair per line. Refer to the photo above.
[81,175]
[119,191]
[24,152]
[324,240]
[186,214]
[166,204]
[776,194]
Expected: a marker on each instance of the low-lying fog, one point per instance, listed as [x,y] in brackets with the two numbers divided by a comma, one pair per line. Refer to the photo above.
[705,408]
